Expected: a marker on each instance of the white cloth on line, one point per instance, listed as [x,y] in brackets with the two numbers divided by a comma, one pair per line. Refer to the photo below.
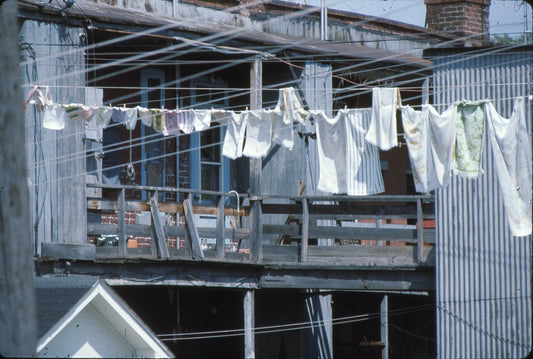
[363,166]
[290,105]
[234,138]
[430,139]
[186,121]
[282,131]
[171,123]
[130,118]
[512,160]
[258,134]
[144,115]
[79,112]
[331,144]
[202,119]
[382,131]
[39,96]
[288,110]
[54,117]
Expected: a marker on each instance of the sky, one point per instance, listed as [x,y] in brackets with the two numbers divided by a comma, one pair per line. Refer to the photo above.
[505,16]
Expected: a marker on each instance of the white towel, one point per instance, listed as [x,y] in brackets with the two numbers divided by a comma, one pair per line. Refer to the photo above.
[282,131]
[55,117]
[202,119]
[258,134]
[430,139]
[512,159]
[382,130]
[234,139]
[331,143]
[363,167]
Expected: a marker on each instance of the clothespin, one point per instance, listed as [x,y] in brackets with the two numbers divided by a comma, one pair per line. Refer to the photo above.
[345,107]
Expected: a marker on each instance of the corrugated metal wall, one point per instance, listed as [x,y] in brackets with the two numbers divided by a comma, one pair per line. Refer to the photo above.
[483,273]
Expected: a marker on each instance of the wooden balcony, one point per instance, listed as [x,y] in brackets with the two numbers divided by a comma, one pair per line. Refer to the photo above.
[307,242]
[332,231]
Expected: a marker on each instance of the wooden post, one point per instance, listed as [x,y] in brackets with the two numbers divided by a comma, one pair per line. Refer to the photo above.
[256,211]
[17,302]
[420,232]
[305,231]
[121,219]
[220,227]
[157,229]
[249,324]
[384,311]
[191,230]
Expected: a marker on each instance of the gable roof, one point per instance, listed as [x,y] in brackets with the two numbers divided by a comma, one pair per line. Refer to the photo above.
[60,299]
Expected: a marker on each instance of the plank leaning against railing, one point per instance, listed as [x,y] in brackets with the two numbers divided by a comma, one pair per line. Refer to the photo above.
[305,210]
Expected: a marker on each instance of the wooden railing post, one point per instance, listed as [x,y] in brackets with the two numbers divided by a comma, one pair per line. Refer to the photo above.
[191,230]
[220,227]
[420,231]
[305,231]
[256,230]
[158,232]
[121,223]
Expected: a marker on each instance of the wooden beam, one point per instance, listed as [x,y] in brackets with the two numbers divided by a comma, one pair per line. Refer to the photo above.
[305,231]
[192,232]
[420,231]
[220,227]
[249,324]
[158,230]
[256,210]
[121,220]
[97,229]
[17,298]
[384,321]
[110,205]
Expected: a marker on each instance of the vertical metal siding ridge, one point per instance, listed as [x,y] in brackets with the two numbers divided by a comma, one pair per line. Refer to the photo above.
[497,322]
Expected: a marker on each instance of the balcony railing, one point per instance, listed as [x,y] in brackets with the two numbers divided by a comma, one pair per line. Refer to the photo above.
[316,230]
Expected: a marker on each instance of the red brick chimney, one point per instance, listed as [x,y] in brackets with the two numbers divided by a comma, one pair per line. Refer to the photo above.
[467,19]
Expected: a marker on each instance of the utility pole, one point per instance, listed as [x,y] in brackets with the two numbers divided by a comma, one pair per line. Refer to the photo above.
[17,302]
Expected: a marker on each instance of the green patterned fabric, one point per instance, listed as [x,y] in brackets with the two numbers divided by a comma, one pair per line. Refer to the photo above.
[470,126]
[158,120]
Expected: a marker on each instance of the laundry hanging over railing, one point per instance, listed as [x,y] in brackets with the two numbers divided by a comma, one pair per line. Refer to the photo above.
[439,144]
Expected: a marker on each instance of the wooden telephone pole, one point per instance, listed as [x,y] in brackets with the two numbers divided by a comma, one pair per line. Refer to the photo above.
[17,302]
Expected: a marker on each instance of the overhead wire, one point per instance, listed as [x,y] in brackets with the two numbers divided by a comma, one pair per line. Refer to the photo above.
[345,89]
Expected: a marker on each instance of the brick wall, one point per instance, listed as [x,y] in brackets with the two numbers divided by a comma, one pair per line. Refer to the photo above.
[469,19]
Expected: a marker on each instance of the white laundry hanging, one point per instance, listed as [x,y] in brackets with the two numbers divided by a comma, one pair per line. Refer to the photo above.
[382,131]
[512,160]
[258,134]
[430,138]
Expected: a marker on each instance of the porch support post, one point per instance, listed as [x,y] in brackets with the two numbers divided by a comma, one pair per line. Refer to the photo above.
[256,101]
[384,321]
[121,220]
[420,231]
[320,315]
[249,324]
[220,227]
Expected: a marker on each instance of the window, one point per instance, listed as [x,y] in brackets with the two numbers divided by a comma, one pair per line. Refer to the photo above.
[209,169]
[157,168]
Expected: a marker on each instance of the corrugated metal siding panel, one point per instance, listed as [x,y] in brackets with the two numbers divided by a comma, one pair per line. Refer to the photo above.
[483,272]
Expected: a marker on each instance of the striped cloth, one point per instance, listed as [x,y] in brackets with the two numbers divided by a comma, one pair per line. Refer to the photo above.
[348,163]
[363,167]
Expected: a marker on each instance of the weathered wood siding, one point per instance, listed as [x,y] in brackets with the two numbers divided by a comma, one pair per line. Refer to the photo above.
[56,159]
